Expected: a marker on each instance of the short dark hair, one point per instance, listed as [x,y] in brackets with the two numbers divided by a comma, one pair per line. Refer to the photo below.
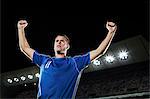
[65,36]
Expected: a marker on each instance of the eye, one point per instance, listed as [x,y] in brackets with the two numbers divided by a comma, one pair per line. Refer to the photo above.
[57,40]
[62,41]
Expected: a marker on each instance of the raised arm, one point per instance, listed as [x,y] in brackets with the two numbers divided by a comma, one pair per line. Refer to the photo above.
[102,48]
[23,44]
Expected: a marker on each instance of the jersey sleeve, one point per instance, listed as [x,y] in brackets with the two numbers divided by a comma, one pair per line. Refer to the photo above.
[82,60]
[39,59]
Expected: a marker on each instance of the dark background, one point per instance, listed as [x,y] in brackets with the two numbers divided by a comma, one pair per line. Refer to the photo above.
[84,23]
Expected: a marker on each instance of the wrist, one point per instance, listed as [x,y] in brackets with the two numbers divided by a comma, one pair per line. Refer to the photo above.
[20,29]
[110,32]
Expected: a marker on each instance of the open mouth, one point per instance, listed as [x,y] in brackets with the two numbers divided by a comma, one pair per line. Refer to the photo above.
[58,46]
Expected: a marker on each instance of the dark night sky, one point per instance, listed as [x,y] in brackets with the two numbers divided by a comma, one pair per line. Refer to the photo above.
[85,26]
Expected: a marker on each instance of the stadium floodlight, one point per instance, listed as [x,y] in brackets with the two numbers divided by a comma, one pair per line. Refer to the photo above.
[96,62]
[109,58]
[30,76]
[25,85]
[16,79]
[23,78]
[37,75]
[9,80]
[34,84]
[123,55]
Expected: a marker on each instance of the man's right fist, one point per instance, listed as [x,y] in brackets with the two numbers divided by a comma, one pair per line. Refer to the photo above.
[22,24]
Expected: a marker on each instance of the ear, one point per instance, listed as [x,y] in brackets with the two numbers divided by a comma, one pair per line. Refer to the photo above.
[68,47]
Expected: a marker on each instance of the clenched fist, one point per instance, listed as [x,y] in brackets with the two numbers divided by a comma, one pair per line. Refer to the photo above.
[111,26]
[22,24]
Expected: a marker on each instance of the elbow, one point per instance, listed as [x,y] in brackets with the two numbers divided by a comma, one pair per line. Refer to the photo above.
[100,52]
[22,48]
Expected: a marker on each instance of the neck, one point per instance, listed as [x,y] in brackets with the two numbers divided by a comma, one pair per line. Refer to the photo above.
[60,55]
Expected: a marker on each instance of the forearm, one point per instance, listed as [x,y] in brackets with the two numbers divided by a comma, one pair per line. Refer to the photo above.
[22,40]
[105,44]
[102,48]
[23,44]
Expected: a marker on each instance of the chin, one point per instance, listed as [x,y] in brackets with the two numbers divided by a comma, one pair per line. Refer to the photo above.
[58,50]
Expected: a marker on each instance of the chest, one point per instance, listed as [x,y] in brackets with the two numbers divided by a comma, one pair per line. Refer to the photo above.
[58,68]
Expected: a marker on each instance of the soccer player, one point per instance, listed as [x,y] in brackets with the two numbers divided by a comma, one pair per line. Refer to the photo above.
[59,75]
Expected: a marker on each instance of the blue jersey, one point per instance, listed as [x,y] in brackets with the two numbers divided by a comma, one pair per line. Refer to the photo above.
[58,76]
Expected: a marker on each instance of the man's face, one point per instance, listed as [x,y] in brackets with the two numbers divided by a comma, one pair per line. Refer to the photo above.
[60,43]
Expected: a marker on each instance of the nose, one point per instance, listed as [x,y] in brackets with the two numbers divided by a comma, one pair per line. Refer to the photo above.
[59,42]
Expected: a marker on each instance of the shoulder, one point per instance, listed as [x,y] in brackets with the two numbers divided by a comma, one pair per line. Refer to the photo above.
[82,55]
[40,54]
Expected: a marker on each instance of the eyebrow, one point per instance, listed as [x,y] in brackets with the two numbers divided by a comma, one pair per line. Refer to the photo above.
[60,40]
